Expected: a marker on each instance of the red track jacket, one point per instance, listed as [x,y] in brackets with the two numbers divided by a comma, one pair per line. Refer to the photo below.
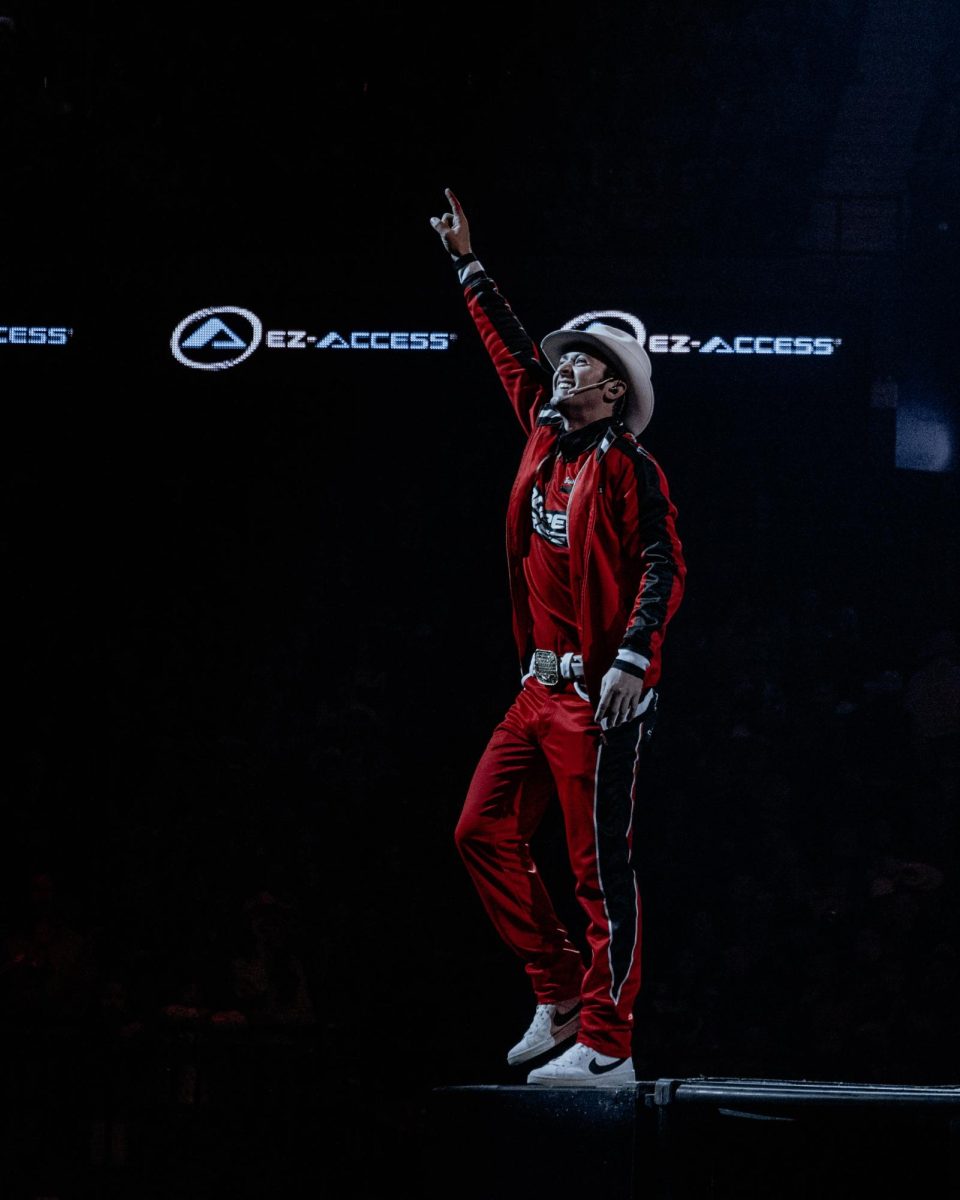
[626,563]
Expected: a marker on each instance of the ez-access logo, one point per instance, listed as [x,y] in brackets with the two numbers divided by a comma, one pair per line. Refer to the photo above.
[213,339]
[685,343]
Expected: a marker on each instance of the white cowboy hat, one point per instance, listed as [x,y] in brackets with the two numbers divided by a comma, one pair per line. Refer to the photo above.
[626,353]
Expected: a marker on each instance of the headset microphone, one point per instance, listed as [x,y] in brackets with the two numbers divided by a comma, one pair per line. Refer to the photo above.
[588,388]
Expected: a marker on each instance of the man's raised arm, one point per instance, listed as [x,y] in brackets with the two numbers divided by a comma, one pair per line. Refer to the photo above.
[528,382]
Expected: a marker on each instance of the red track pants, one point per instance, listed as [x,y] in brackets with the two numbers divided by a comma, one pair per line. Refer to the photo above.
[549,739]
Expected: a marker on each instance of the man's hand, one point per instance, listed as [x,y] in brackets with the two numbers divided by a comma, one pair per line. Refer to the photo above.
[453,228]
[620,696]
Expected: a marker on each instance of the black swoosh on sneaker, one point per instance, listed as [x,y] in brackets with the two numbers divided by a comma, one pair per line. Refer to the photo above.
[598,1068]
[560,1019]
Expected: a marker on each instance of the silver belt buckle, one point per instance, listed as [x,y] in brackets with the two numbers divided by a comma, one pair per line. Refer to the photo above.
[546,667]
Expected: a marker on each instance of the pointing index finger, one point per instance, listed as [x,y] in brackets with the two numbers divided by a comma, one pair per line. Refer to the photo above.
[458,211]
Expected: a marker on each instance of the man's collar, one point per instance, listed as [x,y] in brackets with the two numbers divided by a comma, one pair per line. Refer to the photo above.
[573,443]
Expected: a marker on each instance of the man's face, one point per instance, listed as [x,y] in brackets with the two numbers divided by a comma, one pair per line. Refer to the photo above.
[579,369]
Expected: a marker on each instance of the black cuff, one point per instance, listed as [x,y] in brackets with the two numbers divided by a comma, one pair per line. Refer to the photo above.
[464,260]
[630,669]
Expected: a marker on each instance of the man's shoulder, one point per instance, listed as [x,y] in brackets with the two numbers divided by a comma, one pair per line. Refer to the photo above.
[633,462]
[626,443]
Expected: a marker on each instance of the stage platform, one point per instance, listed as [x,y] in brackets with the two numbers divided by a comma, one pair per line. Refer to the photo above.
[704,1138]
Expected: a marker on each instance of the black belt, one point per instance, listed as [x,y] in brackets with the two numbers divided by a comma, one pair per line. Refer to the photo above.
[550,668]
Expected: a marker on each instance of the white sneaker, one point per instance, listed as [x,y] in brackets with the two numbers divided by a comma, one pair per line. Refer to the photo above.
[548,1029]
[582,1066]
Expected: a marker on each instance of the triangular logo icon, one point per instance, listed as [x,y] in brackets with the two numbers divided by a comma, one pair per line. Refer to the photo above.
[213,332]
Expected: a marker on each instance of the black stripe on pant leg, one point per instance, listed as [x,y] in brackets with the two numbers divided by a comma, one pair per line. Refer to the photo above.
[612,817]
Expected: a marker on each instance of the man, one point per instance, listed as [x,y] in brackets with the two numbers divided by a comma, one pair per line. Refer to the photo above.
[596,572]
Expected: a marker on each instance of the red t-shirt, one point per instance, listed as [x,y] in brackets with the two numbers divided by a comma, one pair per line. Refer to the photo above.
[547,566]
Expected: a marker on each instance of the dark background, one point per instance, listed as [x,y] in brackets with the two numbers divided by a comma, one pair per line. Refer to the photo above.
[257,628]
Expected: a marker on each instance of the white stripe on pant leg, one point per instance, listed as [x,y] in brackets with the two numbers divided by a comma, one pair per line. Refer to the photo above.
[615,996]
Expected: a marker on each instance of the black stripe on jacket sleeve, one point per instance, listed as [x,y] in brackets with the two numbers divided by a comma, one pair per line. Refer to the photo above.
[664,569]
[503,324]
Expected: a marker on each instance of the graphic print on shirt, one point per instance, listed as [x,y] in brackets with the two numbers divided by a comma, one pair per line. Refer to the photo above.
[551,526]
